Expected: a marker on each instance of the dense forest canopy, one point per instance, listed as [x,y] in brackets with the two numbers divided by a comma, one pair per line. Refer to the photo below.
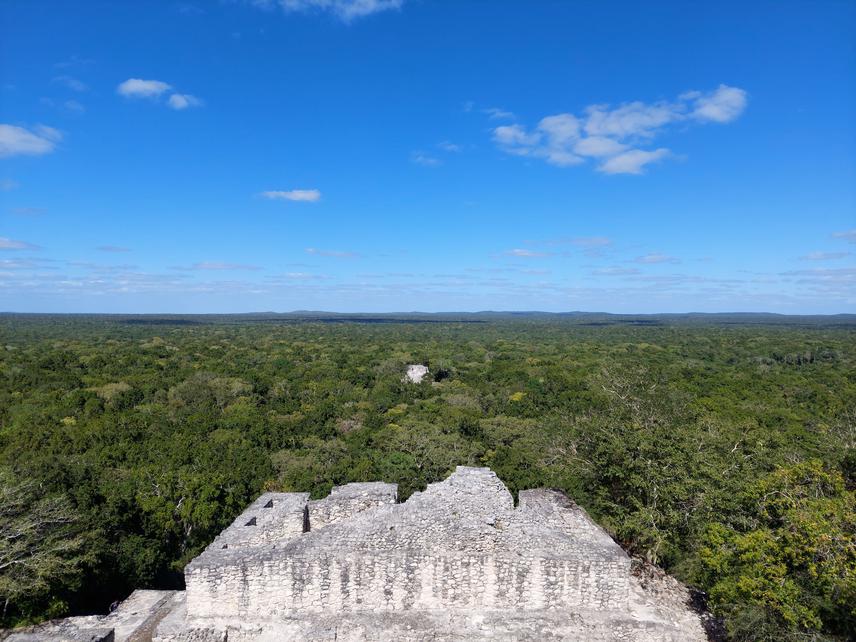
[721,448]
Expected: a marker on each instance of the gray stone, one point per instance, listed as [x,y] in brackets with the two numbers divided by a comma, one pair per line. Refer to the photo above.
[456,562]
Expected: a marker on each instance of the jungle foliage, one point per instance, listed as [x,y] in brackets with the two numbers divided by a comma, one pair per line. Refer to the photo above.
[722,451]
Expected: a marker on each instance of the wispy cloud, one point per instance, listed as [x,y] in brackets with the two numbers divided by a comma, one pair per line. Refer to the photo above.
[836,281]
[17,141]
[633,162]
[339,254]
[613,136]
[139,88]
[98,267]
[7,184]
[70,82]
[824,256]
[74,61]
[13,244]
[344,10]
[448,146]
[524,253]
[847,235]
[289,277]
[74,106]
[497,113]
[421,158]
[300,195]
[615,271]
[154,89]
[112,248]
[183,101]
[27,211]
[591,241]
[590,245]
[188,9]
[720,106]
[23,264]
[655,257]
[219,265]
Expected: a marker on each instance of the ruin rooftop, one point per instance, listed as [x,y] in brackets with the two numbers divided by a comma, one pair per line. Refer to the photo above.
[458,561]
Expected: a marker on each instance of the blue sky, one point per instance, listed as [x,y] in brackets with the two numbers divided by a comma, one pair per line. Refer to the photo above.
[396,155]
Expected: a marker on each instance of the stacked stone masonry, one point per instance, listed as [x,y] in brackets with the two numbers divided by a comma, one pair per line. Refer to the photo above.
[456,562]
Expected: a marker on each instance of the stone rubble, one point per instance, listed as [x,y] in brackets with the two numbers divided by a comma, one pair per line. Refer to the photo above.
[415,373]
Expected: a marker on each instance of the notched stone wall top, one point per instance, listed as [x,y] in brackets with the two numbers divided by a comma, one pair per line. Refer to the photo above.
[456,561]
[272,518]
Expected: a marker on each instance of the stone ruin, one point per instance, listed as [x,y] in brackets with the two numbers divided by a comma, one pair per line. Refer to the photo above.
[456,562]
[415,373]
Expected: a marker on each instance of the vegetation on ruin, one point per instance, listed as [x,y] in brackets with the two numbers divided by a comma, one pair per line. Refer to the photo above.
[721,448]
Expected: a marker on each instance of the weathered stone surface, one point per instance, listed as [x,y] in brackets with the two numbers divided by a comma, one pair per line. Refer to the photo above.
[133,621]
[415,373]
[72,629]
[456,562]
[346,501]
[272,518]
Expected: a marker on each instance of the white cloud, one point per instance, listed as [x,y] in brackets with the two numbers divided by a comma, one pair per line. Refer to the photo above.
[515,139]
[7,184]
[496,113]
[421,158]
[154,89]
[12,244]
[824,256]
[448,146]
[847,235]
[559,133]
[722,105]
[138,88]
[345,10]
[183,101]
[616,134]
[15,141]
[301,195]
[70,83]
[632,162]
[598,146]
[633,119]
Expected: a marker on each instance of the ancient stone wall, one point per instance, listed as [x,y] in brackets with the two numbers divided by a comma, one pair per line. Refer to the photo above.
[459,545]
[273,517]
[346,501]
[277,587]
